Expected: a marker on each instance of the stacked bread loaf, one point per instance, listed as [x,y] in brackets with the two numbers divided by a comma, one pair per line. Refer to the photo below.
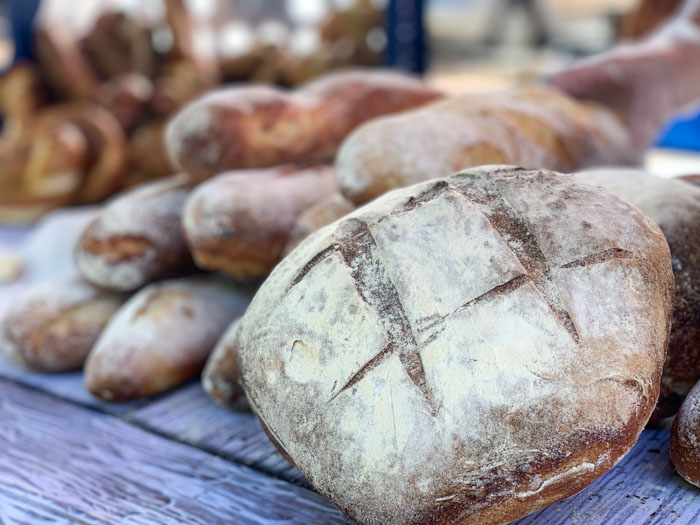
[86,120]
[150,241]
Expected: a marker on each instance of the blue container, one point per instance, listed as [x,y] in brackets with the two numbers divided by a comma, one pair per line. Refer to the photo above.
[682,133]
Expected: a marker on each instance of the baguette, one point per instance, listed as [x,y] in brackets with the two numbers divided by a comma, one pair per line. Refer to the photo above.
[533,127]
[254,127]
[137,237]
[51,327]
[316,217]
[220,375]
[238,222]
[161,337]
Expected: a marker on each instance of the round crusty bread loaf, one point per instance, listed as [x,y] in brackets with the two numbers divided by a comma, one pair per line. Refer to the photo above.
[466,350]
[685,438]
[675,207]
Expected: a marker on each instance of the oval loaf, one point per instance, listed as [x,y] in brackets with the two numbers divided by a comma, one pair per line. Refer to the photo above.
[466,350]
[53,325]
[137,237]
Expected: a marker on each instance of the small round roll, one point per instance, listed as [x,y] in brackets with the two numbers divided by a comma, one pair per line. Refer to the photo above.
[685,438]
[52,326]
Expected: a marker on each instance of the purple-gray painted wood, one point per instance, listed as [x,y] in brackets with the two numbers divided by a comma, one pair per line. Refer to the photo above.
[643,489]
[68,385]
[59,460]
[189,415]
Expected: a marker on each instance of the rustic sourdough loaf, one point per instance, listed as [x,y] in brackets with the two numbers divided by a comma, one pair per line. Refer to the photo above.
[675,207]
[52,326]
[137,237]
[466,350]
[534,127]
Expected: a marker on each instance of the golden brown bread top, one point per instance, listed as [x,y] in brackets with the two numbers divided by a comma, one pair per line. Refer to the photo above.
[531,126]
[238,222]
[252,127]
[161,337]
[52,326]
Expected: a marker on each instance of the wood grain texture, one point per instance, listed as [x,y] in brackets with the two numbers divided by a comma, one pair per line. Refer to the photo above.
[643,489]
[65,462]
[188,415]
[69,386]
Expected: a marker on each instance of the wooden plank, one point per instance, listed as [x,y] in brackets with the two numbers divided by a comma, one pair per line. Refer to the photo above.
[190,416]
[646,474]
[642,489]
[91,467]
[67,385]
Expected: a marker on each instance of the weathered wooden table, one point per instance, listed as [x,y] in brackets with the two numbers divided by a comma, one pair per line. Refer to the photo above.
[66,457]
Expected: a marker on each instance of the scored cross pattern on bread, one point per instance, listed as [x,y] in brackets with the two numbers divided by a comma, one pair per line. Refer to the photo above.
[362,256]
[464,350]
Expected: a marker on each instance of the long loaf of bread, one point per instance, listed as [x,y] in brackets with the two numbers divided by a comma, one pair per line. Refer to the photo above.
[254,127]
[161,337]
[238,222]
[533,127]
[137,238]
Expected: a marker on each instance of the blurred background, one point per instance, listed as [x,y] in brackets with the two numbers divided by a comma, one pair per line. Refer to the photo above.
[114,71]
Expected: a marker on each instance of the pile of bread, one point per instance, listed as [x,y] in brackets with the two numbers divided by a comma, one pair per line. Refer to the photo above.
[464,348]
[86,119]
